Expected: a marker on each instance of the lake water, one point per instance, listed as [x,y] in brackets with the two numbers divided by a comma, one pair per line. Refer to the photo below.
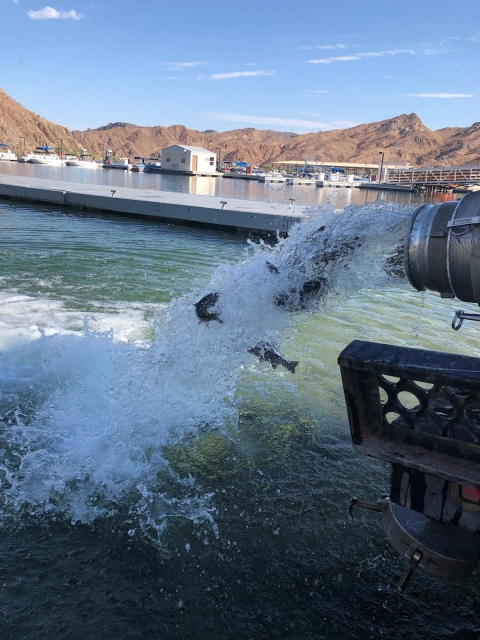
[157,480]
[303,195]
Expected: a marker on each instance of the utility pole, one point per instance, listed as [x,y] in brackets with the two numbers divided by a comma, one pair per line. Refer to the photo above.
[381,153]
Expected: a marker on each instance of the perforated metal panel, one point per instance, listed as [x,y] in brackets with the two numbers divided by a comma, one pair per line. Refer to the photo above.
[414,407]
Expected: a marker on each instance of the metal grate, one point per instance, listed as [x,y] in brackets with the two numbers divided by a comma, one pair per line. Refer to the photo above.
[414,407]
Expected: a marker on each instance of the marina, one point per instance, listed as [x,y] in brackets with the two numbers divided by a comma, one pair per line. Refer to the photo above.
[265,192]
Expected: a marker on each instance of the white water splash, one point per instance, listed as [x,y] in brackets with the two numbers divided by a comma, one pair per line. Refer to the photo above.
[94,414]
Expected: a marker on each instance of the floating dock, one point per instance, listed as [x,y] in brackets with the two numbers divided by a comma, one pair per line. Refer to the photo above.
[200,174]
[233,215]
[271,177]
[387,186]
[259,177]
[300,181]
[315,182]
[342,184]
[240,176]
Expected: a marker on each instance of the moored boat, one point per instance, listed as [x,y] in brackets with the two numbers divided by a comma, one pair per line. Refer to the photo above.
[153,166]
[122,163]
[85,161]
[46,157]
[6,154]
[85,164]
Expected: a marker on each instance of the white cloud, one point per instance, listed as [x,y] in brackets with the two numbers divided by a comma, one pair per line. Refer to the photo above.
[317,91]
[336,123]
[240,74]
[360,56]
[475,37]
[324,46]
[430,51]
[439,95]
[178,66]
[15,1]
[335,59]
[49,13]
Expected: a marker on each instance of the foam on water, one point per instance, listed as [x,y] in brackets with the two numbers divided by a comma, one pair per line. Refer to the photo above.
[26,318]
[92,412]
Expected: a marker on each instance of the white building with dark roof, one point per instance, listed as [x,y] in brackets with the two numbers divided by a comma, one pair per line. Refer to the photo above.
[190,160]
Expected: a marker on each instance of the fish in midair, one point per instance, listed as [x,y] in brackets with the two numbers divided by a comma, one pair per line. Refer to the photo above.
[265,352]
[272,268]
[203,308]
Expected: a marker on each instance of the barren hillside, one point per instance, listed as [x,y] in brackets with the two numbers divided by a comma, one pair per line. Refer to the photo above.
[17,122]
[403,139]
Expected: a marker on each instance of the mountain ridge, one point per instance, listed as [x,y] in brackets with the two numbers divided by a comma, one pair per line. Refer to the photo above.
[403,138]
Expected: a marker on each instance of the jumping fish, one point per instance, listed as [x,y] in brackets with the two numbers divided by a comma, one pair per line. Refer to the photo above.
[272,268]
[203,308]
[266,353]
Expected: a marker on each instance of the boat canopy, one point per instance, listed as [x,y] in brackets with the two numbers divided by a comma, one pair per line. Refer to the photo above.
[2,144]
[45,148]
[337,170]
[241,164]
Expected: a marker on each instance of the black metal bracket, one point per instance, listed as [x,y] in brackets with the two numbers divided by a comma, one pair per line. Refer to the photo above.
[460,316]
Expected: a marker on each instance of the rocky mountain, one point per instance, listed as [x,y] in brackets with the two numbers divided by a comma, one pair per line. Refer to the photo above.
[403,139]
[129,140]
[17,123]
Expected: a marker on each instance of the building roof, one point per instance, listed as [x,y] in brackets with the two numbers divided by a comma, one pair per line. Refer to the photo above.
[190,148]
[349,165]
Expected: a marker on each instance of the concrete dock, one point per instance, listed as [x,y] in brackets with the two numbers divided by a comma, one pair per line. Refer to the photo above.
[387,186]
[234,215]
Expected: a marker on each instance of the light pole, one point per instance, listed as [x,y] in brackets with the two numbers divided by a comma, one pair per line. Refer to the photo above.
[381,153]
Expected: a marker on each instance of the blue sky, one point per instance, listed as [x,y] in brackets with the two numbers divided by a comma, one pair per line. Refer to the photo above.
[280,64]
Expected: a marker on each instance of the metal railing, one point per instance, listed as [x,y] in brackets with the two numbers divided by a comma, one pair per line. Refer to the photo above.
[438,175]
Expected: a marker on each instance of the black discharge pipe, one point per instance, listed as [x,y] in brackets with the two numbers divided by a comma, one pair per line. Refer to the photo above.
[442,249]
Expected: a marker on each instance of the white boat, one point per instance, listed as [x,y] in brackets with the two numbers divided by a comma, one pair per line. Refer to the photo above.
[85,161]
[25,157]
[51,160]
[85,164]
[273,176]
[6,154]
[46,157]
